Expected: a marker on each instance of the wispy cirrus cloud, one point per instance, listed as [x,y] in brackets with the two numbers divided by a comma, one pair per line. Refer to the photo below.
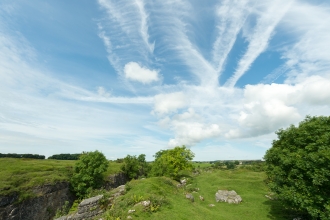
[260,37]
[230,18]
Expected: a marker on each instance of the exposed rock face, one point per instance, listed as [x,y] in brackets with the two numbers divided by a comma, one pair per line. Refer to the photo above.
[42,207]
[89,208]
[115,180]
[227,196]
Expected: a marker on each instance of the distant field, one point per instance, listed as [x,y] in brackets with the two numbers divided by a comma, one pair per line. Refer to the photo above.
[160,190]
[21,174]
[201,164]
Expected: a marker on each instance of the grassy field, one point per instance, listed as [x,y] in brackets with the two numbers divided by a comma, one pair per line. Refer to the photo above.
[19,175]
[169,202]
[201,164]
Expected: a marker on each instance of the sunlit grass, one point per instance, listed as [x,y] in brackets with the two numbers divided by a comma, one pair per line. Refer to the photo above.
[20,175]
[250,185]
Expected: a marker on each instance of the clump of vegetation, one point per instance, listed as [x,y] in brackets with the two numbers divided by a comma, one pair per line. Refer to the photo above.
[64,157]
[89,172]
[64,210]
[298,167]
[135,167]
[172,162]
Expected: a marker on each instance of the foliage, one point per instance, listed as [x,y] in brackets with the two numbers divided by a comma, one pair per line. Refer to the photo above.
[171,162]
[135,167]
[64,157]
[64,210]
[88,172]
[298,166]
[230,165]
[31,156]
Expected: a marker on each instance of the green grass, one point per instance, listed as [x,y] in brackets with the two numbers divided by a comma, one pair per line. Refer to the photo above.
[20,175]
[170,202]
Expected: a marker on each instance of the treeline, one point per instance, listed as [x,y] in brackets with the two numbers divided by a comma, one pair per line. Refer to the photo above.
[65,157]
[32,156]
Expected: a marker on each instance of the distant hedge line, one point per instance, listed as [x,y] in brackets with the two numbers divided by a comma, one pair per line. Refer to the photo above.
[65,157]
[37,156]
[33,156]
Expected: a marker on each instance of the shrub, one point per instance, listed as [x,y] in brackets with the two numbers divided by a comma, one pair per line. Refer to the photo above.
[298,167]
[135,167]
[88,172]
[171,162]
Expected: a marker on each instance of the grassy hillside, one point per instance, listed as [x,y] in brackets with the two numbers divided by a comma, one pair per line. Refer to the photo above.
[169,202]
[21,174]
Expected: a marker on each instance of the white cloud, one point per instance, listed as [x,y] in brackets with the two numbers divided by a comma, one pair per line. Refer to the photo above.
[259,39]
[270,107]
[231,16]
[102,92]
[167,103]
[144,26]
[133,71]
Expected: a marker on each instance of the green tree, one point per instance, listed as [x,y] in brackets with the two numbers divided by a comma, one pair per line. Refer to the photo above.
[230,165]
[88,172]
[171,162]
[298,167]
[135,167]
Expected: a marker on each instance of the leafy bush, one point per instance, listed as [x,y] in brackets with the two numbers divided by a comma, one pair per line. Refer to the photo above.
[88,172]
[135,167]
[171,162]
[230,165]
[298,166]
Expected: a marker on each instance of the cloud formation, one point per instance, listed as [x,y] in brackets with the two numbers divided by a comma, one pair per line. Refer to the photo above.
[155,78]
[133,71]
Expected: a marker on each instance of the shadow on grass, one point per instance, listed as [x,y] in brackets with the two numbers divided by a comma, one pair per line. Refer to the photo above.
[279,212]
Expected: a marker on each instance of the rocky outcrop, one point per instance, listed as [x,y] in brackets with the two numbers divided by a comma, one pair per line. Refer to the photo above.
[91,207]
[48,198]
[115,180]
[227,196]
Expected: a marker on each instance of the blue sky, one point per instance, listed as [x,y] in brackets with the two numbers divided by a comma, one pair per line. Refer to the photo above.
[133,77]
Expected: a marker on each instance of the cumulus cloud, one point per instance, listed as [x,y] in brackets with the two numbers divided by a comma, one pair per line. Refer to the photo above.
[133,71]
[270,107]
[167,103]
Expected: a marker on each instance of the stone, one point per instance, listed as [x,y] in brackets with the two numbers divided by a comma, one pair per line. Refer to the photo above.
[183,182]
[211,205]
[190,197]
[145,203]
[131,211]
[201,198]
[129,217]
[227,196]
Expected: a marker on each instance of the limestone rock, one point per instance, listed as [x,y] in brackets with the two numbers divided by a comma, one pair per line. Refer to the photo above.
[211,205]
[228,196]
[201,198]
[131,211]
[190,197]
